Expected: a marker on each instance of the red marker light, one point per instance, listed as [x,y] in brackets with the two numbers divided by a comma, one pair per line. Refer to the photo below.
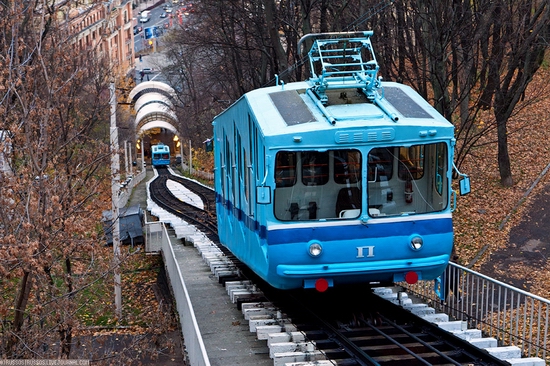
[411,277]
[321,285]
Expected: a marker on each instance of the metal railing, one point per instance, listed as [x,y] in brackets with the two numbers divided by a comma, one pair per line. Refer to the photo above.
[194,346]
[197,173]
[512,316]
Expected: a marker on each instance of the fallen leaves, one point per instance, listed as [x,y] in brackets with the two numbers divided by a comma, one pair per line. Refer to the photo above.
[484,218]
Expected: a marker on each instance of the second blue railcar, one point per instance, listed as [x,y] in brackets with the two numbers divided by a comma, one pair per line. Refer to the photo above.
[160,155]
[339,179]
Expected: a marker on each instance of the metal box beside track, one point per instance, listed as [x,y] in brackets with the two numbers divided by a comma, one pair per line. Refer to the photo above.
[131,226]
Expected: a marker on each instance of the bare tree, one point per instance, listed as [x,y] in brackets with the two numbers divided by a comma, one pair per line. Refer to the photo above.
[450,51]
[53,105]
[520,36]
[228,48]
[463,56]
[213,66]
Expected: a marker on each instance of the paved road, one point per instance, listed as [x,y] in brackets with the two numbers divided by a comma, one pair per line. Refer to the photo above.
[156,61]
[156,25]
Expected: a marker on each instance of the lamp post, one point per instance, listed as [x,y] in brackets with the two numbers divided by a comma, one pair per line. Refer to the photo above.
[177,144]
[115,187]
[141,147]
[190,159]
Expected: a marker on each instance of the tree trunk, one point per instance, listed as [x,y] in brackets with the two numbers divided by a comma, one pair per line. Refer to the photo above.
[19,311]
[281,63]
[323,28]
[65,338]
[493,64]
[503,156]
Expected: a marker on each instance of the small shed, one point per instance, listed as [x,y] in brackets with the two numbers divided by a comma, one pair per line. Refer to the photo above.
[131,225]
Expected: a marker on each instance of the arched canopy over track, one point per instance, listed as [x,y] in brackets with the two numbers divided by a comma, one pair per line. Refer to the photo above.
[153,104]
[146,87]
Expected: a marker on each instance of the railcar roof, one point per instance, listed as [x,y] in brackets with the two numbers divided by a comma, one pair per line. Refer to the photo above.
[160,147]
[289,109]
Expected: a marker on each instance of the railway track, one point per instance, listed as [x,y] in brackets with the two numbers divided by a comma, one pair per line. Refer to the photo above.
[207,195]
[348,325]
[364,329]
[204,219]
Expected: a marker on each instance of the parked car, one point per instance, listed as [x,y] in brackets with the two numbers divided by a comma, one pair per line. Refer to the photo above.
[148,70]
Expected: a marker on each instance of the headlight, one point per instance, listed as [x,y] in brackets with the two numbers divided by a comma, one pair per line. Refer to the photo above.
[315,249]
[416,243]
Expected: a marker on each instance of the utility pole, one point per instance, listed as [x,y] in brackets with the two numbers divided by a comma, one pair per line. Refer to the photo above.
[142,154]
[130,159]
[127,157]
[115,187]
[181,154]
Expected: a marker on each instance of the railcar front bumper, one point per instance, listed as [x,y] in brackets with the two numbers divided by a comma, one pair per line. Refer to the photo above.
[427,268]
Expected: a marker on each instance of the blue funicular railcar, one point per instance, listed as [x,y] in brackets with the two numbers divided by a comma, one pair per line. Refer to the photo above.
[343,178]
[160,155]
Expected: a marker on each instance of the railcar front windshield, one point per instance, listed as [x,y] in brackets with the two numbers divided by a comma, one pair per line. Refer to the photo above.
[342,184]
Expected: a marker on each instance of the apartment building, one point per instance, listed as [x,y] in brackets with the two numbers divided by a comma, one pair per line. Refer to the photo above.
[108,27]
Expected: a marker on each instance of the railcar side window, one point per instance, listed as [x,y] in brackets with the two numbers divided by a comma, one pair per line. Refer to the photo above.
[314,168]
[222,175]
[285,169]
[380,164]
[229,171]
[441,164]
[347,166]
[411,162]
